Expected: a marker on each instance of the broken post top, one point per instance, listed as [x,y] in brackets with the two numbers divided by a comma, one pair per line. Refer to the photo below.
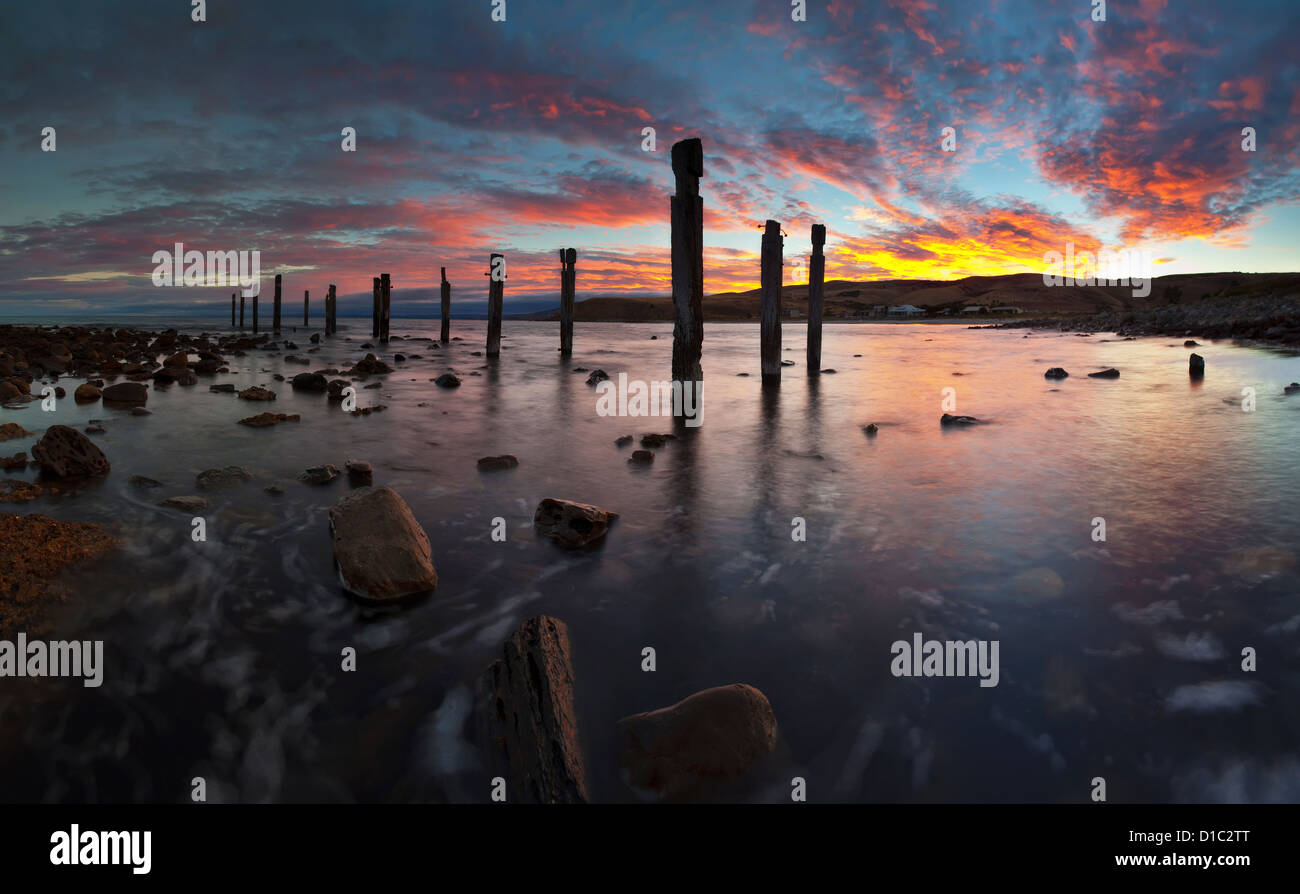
[772,229]
[819,234]
[444,274]
[570,256]
[688,159]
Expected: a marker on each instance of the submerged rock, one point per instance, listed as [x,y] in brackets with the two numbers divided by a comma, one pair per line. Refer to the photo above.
[655,441]
[187,503]
[67,453]
[11,430]
[597,376]
[1196,366]
[571,525]
[230,475]
[257,392]
[381,551]
[1111,373]
[360,474]
[1056,373]
[623,441]
[86,393]
[495,463]
[126,393]
[447,380]
[34,549]
[959,420]
[309,382]
[714,735]
[641,457]
[871,429]
[320,474]
[526,719]
[266,420]
[1293,388]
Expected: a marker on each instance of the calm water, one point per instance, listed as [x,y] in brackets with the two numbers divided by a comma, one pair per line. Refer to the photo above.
[223,657]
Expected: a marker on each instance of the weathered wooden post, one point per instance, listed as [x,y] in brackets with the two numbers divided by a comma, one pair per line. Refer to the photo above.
[770,320]
[275,312]
[568,279]
[446,308]
[331,311]
[374,323]
[687,211]
[241,311]
[816,286]
[232,310]
[385,306]
[496,295]
[255,303]
[306,304]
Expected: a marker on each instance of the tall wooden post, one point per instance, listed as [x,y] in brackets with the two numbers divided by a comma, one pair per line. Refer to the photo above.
[816,286]
[385,306]
[275,312]
[255,302]
[306,305]
[496,294]
[241,311]
[770,320]
[374,323]
[331,311]
[232,310]
[687,210]
[568,279]
[445,335]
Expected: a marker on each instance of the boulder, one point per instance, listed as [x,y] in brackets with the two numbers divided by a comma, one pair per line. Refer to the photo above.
[67,453]
[310,382]
[86,393]
[126,394]
[257,392]
[571,525]
[1056,373]
[947,419]
[1196,366]
[360,474]
[526,719]
[381,551]
[1111,373]
[447,380]
[496,463]
[715,735]
[230,475]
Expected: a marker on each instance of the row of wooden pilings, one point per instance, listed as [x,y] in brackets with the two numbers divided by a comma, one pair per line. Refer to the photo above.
[686,210]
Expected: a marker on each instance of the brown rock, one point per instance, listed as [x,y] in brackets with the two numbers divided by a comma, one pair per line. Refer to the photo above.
[496,463]
[714,735]
[11,430]
[641,457]
[265,420]
[126,393]
[381,551]
[360,474]
[67,453]
[526,718]
[257,392]
[19,491]
[570,524]
[17,461]
[86,393]
[33,550]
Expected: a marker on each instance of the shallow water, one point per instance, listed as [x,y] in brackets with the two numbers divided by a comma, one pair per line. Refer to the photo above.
[1118,659]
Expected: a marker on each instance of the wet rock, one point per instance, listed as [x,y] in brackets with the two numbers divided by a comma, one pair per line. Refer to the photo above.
[320,474]
[370,365]
[526,719]
[571,525]
[266,420]
[274,489]
[67,453]
[8,391]
[143,481]
[1056,373]
[871,429]
[381,551]
[959,420]
[294,358]
[1196,366]
[335,389]
[641,457]
[59,393]
[257,392]
[623,441]
[447,380]
[715,735]
[656,441]
[188,503]
[34,549]
[828,372]
[496,463]
[226,477]
[315,338]
[141,411]
[86,393]
[223,388]
[360,474]
[126,394]
[314,382]
[1191,343]
[12,430]
[1110,373]
[95,429]
[19,491]
[1293,388]
[787,363]
[597,376]
[374,385]
[17,461]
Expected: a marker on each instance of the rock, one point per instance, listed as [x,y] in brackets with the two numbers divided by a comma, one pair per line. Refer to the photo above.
[11,430]
[223,388]
[335,389]
[787,363]
[257,392]
[60,393]
[370,365]
[1190,343]
[230,475]
[828,372]
[641,457]
[959,420]
[266,420]
[597,376]
[34,549]
[871,429]
[68,453]
[447,380]
[86,393]
[718,734]
[17,461]
[126,394]
[653,440]
[1056,373]
[1293,388]
[294,358]
[381,551]
[143,481]
[188,504]
[495,463]
[274,489]
[526,719]
[141,411]
[571,525]
[1196,366]
[320,474]
[315,338]
[179,360]
[95,429]
[310,382]
[374,385]
[19,491]
[1111,373]
[8,391]
[360,474]
[623,441]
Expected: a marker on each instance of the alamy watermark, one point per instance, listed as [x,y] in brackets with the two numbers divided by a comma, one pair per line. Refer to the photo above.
[640,398]
[946,658]
[1108,268]
[84,658]
[216,268]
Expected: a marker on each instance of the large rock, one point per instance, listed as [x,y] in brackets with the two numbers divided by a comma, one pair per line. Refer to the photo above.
[34,549]
[67,453]
[569,524]
[86,393]
[526,718]
[126,394]
[310,382]
[381,551]
[1056,373]
[715,735]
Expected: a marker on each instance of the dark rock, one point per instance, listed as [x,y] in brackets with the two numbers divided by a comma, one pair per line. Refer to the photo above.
[641,457]
[1191,343]
[314,382]
[223,388]
[257,392]
[447,380]
[320,474]
[360,474]
[11,430]
[141,411]
[188,504]
[17,461]
[1196,366]
[126,394]
[68,453]
[266,420]
[623,441]
[597,376]
[1056,373]
[494,463]
[230,475]
[143,481]
[571,525]
[381,551]
[1111,373]
[959,420]
[871,429]
[656,441]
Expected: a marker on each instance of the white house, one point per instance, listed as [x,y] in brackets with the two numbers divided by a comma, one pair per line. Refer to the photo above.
[974,309]
[907,310]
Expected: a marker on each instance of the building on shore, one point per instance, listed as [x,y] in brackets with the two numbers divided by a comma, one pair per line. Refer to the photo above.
[975,309]
[906,310]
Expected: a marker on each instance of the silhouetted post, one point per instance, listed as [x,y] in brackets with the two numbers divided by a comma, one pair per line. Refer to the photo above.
[275,312]
[816,277]
[496,295]
[770,320]
[306,305]
[255,303]
[374,325]
[385,306]
[446,308]
[232,310]
[568,279]
[687,210]
[241,311]
[331,311]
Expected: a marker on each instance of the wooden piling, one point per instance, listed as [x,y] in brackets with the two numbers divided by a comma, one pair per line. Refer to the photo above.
[331,311]
[275,311]
[445,335]
[374,322]
[568,279]
[385,306]
[687,212]
[306,306]
[770,320]
[496,295]
[241,311]
[816,288]
[256,299]
[232,310]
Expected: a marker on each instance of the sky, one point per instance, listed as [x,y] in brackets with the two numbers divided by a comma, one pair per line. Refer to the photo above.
[527,135]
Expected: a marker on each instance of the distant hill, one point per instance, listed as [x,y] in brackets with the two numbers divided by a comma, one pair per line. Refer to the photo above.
[845,299]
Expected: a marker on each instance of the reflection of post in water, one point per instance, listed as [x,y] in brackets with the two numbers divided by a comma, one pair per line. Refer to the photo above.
[766,465]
